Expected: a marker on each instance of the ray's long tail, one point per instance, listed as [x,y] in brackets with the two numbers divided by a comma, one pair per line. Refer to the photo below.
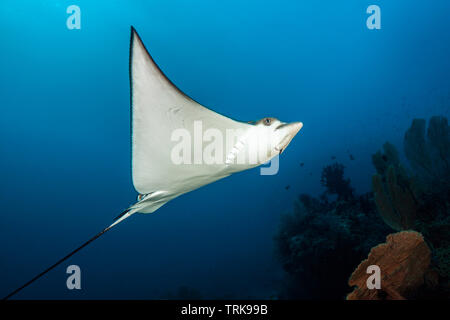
[127,213]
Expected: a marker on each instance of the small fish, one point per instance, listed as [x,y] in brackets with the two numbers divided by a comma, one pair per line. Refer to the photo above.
[301,164]
[287,187]
[351,157]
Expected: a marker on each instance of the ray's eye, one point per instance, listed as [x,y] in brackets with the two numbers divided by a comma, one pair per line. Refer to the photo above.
[267,121]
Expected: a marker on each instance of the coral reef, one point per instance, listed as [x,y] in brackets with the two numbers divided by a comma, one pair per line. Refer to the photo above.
[340,233]
[403,261]
[333,180]
[419,198]
[406,199]
[322,233]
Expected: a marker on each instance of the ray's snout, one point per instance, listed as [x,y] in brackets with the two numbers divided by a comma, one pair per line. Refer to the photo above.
[295,127]
[287,132]
[290,128]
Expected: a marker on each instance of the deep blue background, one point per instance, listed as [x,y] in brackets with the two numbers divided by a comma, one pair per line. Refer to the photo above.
[65,145]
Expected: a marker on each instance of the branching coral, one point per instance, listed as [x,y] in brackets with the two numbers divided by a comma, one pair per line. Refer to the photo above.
[416,149]
[429,157]
[396,203]
[388,157]
[394,190]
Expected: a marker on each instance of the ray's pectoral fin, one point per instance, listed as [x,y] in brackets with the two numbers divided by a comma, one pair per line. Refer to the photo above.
[158,110]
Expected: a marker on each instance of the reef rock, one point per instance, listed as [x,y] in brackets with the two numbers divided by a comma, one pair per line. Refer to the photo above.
[332,179]
[403,261]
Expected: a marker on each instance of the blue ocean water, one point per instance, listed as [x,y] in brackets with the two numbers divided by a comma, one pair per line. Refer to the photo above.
[65,130]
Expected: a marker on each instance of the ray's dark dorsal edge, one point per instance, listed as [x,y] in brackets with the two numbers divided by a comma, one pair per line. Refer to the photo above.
[134,35]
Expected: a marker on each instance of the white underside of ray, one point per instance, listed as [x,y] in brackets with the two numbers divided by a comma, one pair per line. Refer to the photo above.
[159,108]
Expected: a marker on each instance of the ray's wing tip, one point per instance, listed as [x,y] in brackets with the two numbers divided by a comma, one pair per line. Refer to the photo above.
[135,39]
[133,29]
[133,32]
